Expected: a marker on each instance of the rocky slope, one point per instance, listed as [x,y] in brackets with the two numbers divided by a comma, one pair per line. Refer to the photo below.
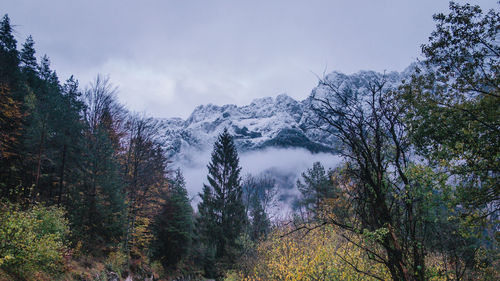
[266,122]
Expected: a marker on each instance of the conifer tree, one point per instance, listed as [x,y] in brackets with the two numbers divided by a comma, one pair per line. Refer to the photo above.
[69,140]
[173,227]
[42,130]
[98,201]
[9,60]
[8,42]
[316,186]
[28,59]
[260,225]
[221,212]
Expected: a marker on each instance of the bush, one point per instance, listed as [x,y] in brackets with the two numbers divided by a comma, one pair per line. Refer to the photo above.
[32,240]
[319,254]
[116,261]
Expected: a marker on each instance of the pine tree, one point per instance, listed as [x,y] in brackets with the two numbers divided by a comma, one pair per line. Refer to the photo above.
[42,130]
[222,213]
[315,187]
[28,59]
[260,225]
[7,40]
[69,139]
[173,226]
[9,57]
[97,196]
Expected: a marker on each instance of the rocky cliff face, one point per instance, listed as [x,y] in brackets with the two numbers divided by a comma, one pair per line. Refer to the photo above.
[266,122]
[278,122]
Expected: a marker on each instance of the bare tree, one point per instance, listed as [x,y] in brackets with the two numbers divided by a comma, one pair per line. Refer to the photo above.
[377,199]
[261,187]
[145,169]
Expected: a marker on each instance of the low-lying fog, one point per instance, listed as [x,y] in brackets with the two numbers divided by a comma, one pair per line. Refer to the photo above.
[286,165]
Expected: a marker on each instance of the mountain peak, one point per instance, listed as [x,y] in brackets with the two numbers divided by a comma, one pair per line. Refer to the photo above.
[279,121]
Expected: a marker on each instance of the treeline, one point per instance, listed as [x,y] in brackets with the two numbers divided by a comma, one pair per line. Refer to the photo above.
[77,153]
[86,184]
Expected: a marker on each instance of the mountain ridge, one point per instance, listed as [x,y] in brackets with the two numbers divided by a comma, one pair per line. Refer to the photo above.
[279,121]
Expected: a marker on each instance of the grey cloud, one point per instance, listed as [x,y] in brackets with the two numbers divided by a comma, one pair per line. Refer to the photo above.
[286,162]
[221,51]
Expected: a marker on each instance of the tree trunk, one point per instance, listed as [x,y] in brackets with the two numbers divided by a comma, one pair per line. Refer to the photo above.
[39,163]
[397,262]
[61,176]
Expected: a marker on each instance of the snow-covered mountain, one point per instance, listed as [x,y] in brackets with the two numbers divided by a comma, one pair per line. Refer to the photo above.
[266,122]
[260,129]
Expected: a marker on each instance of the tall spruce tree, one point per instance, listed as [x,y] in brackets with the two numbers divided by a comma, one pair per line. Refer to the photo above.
[9,56]
[173,228]
[28,59]
[98,197]
[316,186]
[260,224]
[221,212]
[70,138]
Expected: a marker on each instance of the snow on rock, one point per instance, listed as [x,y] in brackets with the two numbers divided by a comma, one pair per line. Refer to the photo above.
[281,121]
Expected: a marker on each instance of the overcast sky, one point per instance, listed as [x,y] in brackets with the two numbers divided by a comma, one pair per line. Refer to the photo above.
[167,57]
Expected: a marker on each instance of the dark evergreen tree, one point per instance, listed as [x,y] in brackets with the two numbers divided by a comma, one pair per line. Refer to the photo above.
[7,39]
[222,213]
[173,228]
[206,216]
[97,198]
[260,224]
[205,224]
[28,59]
[69,140]
[316,186]
[9,56]
[45,101]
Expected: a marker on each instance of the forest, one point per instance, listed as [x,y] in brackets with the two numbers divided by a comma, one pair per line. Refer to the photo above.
[87,191]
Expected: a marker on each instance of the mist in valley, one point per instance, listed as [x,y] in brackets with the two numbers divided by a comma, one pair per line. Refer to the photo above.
[284,165]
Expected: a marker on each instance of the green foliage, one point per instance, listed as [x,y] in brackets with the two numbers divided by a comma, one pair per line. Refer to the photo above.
[221,211]
[453,103]
[116,261]
[173,227]
[259,196]
[97,199]
[27,55]
[32,240]
[452,108]
[315,187]
[260,224]
[9,59]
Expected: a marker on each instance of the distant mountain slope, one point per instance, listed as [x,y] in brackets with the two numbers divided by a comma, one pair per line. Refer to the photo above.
[266,122]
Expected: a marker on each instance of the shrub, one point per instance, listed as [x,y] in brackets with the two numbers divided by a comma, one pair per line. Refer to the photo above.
[116,261]
[319,254]
[32,240]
